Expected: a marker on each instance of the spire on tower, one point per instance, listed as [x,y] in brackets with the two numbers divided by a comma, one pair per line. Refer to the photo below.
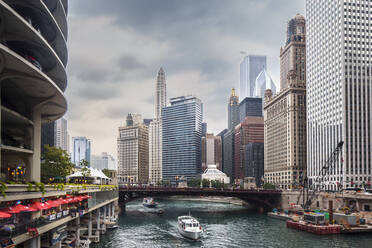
[233,92]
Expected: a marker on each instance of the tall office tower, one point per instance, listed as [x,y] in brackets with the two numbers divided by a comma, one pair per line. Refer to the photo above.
[250,68]
[133,152]
[293,54]
[211,151]
[263,83]
[155,131]
[204,129]
[249,136]
[285,114]
[47,135]
[61,134]
[81,150]
[250,106]
[161,94]
[182,138]
[155,151]
[229,154]
[222,134]
[103,161]
[339,89]
[233,110]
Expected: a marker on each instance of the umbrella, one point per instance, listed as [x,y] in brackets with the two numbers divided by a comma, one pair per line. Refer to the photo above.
[86,197]
[10,210]
[63,201]
[53,204]
[4,215]
[23,208]
[40,206]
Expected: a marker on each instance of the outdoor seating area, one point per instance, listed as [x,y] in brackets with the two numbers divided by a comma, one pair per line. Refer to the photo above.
[18,217]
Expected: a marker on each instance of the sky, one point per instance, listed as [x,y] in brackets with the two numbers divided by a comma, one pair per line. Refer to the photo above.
[116,48]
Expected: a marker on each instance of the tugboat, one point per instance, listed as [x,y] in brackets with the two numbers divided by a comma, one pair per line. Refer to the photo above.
[189,227]
[149,202]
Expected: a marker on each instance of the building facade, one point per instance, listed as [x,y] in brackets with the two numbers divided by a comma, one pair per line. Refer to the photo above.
[339,90]
[263,83]
[155,131]
[182,130]
[103,161]
[81,150]
[250,106]
[133,153]
[285,113]
[155,151]
[211,151]
[249,132]
[233,110]
[229,154]
[47,135]
[221,135]
[61,134]
[250,68]
[293,54]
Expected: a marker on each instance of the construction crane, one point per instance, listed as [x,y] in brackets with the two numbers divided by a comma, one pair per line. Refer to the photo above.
[318,186]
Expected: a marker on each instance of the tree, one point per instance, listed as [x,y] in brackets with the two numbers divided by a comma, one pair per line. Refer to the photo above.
[56,164]
[84,164]
[107,172]
[268,186]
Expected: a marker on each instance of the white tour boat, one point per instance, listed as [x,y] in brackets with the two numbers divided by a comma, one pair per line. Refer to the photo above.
[149,202]
[189,227]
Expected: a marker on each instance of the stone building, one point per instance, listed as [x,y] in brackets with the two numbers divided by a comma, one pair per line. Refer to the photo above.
[211,151]
[133,152]
[285,114]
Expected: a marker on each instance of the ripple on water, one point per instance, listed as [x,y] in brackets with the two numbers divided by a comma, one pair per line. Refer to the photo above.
[224,226]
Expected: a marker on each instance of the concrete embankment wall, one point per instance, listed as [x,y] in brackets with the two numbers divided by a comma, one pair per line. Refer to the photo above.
[359,201]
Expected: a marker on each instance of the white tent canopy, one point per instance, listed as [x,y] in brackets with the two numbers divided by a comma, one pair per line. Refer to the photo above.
[94,173]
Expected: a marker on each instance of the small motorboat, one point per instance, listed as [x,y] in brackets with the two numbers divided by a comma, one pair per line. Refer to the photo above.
[189,227]
[111,227]
[149,202]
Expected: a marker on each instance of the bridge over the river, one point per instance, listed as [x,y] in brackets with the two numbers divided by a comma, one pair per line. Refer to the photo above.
[266,199]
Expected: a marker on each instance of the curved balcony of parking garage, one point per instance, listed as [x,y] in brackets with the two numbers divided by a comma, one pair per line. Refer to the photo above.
[20,79]
[58,11]
[65,5]
[38,16]
[21,37]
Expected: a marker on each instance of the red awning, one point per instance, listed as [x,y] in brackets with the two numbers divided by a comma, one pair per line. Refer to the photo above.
[53,204]
[63,201]
[19,208]
[86,197]
[40,206]
[78,199]
[4,215]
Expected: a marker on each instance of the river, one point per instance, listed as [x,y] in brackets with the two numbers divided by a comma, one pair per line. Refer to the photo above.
[224,225]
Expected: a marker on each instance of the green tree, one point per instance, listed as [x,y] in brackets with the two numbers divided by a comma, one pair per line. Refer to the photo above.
[107,172]
[84,164]
[56,164]
[268,186]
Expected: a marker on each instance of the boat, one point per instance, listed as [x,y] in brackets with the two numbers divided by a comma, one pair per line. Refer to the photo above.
[149,202]
[111,227]
[189,227]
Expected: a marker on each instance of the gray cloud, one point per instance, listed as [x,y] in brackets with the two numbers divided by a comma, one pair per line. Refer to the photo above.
[117,46]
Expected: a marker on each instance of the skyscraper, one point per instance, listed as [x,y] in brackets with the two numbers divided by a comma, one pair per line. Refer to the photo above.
[250,68]
[61,134]
[161,94]
[264,82]
[211,151]
[133,152]
[233,110]
[81,150]
[103,161]
[47,135]
[155,131]
[285,113]
[182,138]
[339,89]
[293,54]
[249,136]
[229,154]
[250,106]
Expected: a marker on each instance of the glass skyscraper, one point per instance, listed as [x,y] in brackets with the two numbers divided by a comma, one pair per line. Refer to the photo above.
[250,68]
[182,132]
[250,106]
[81,150]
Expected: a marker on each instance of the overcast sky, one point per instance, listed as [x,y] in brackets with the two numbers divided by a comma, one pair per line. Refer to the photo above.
[116,48]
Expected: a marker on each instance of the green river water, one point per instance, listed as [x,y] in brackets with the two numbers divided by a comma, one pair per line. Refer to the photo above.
[224,225]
